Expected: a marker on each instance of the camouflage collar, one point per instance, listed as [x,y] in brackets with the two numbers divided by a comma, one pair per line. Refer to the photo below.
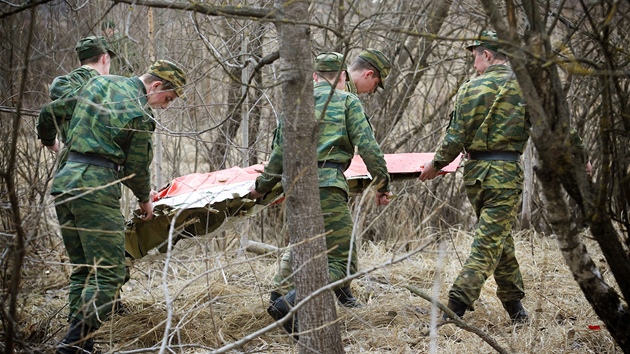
[350,86]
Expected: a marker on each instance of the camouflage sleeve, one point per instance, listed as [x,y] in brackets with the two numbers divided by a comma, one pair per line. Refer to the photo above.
[273,170]
[60,86]
[139,156]
[54,117]
[47,125]
[454,139]
[361,135]
[277,135]
[47,122]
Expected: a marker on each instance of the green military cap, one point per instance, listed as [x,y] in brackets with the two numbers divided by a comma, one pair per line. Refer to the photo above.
[170,72]
[488,39]
[378,60]
[331,61]
[91,46]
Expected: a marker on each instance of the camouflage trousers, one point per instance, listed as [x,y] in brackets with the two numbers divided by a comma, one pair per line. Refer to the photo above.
[492,251]
[93,235]
[341,249]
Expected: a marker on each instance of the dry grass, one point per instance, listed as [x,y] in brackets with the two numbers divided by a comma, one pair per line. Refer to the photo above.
[215,298]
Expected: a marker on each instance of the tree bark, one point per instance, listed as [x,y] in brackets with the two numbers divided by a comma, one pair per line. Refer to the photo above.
[257,95]
[319,330]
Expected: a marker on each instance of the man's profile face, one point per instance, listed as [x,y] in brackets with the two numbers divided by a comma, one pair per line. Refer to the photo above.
[158,98]
[367,82]
[482,61]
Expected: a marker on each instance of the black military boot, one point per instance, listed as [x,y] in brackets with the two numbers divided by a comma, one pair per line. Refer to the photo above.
[76,340]
[345,297]
[516,311]
[280,308]
[274,296]
[457,307]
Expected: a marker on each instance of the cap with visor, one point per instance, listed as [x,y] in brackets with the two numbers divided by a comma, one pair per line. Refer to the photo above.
[377,59]
[92,46]
[487,39]
[170,72]
[330,62]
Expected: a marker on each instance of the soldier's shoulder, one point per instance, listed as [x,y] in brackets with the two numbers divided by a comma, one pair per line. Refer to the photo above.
[113,81]
[342,95]
[483,83]
[59,80]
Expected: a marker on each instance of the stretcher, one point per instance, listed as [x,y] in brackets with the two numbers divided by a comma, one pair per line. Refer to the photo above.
[200,203]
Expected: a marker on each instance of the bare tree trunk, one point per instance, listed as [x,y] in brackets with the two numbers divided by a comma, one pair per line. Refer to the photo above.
[320,332]
[528,188]
[257,95]
[244,104]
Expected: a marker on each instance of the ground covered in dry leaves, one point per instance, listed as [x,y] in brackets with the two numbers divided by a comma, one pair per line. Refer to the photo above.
[204,300]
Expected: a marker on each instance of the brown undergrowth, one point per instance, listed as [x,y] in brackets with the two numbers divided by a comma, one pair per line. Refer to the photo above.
[209,299]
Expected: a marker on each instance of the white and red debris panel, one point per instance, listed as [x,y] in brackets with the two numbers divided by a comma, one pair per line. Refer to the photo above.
[198,203]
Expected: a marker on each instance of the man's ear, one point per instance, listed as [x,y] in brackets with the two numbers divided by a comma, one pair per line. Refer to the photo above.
[154,86]
[368,73]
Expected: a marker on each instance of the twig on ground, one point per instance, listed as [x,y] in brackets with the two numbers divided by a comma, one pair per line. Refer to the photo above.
[458,321]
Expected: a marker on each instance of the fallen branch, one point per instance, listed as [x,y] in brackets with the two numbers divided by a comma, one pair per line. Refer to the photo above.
[458,321]
[261,248]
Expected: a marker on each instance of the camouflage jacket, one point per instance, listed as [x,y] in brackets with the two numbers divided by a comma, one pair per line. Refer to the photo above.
[489,115]
[343,127]
[111,119]
[54,117]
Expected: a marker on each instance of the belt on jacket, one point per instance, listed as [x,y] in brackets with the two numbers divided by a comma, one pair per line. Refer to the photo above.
[330,164]
[92,159]
[494,155]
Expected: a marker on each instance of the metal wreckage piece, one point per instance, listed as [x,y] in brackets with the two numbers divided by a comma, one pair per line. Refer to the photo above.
[175,223]
[200,204]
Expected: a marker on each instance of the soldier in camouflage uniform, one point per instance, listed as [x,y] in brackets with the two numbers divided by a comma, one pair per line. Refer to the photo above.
[364,75]
[367,72]
[110,138]
[342,128]
[95,56]
[490,123]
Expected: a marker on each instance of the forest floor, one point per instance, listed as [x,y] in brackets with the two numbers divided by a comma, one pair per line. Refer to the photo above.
[210,299]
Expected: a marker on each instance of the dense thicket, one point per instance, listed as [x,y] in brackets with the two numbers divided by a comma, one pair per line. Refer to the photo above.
[570,56]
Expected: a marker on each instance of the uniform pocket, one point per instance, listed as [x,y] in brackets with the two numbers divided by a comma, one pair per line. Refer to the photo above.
[327,177]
